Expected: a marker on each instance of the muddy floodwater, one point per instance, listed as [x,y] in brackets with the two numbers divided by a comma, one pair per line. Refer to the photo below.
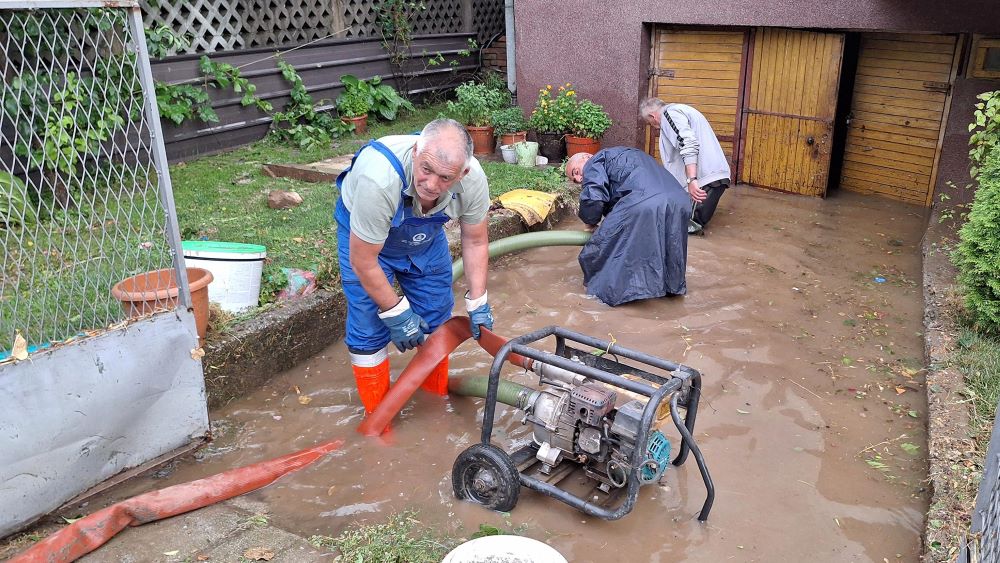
[804,317]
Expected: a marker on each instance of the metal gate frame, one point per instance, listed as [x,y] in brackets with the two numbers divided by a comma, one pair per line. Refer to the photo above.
[81,412]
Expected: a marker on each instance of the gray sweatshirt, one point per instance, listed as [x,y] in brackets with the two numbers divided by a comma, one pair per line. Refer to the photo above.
[693,142]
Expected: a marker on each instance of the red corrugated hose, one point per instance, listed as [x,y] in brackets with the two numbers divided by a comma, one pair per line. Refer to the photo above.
[437,347]
[89,533]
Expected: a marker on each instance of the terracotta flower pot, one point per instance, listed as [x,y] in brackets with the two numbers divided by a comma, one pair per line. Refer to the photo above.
[483,140]
[552,146]
[511,138]
[157,291]
[360,123]
[576,144]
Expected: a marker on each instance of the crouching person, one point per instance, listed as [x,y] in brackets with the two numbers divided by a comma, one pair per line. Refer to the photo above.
[641,215]
[394,201]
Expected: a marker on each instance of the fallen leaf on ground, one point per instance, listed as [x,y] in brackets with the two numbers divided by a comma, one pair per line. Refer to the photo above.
[172,553]
[259,554]
[305,399]
[197,353]
[203,558]
[329,492]
[20,351]
[742,411]
[900,390]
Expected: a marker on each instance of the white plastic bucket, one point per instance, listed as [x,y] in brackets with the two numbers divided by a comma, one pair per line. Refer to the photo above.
[237,269]
[513,549]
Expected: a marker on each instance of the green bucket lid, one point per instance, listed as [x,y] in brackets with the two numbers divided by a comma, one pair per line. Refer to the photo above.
[222,247]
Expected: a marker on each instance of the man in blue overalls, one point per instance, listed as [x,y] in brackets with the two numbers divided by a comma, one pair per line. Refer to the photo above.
[394,201]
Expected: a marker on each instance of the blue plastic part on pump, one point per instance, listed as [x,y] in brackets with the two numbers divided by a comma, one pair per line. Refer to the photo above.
[658,451]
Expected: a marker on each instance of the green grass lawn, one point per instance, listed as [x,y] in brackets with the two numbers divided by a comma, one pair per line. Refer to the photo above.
[978,358]
[57,277]
[224,197]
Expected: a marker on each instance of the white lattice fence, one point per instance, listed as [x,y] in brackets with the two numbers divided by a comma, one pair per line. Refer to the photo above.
[226,25]
[360,17]
[487,19]
[441,16]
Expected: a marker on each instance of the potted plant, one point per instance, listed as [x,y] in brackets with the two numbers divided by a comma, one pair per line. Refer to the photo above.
[474,106]
[354,103]
[590,121]
[551,120]
[510,124]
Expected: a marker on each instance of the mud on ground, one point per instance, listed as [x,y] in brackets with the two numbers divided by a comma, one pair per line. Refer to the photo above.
[804,317]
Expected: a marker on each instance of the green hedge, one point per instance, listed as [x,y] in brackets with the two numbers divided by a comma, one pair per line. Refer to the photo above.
[978,253]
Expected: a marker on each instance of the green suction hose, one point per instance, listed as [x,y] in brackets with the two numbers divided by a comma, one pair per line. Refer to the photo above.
[524,242]
[508,392]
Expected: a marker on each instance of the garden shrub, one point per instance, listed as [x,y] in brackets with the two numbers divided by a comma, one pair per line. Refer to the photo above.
[985,129]
[978,253]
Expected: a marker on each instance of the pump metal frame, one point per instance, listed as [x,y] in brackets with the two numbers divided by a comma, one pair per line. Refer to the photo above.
[683,386]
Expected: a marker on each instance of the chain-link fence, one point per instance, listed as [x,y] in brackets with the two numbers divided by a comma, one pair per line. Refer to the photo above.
[983,543]
[85,201]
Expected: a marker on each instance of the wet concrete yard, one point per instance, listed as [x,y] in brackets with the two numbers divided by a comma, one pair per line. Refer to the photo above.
[812,420]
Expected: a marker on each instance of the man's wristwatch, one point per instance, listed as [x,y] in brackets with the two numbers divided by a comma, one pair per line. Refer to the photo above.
[689,180]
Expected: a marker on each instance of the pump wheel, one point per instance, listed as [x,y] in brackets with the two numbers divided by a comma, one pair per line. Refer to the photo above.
[485,474]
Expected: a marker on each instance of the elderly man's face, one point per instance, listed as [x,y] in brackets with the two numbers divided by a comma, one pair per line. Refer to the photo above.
[574,169]
[432,175]
[652,119]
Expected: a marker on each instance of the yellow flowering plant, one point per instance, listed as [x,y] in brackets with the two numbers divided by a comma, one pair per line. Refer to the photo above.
[554,109]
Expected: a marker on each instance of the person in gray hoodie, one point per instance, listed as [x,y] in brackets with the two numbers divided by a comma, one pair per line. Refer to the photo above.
[690,151]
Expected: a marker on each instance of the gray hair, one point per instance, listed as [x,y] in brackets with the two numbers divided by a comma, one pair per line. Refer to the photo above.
[435,128]
[650,105]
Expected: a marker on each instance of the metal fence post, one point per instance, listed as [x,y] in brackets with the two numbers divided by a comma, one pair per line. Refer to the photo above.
[160,157]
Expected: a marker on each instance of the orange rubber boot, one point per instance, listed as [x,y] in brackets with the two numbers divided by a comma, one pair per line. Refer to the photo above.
[437,381]
[371,373]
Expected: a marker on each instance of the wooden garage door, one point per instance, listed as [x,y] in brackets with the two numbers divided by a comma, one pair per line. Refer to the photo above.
[701,69]
[791,103]
[901,96]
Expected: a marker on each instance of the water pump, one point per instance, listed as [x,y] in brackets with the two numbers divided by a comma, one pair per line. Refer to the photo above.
[577,425]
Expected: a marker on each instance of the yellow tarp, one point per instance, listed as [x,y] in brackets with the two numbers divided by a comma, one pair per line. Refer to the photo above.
[533,206]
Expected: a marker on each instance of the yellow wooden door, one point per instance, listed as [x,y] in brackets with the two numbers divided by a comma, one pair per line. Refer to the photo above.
[701,69]
[901,95]
[790,107]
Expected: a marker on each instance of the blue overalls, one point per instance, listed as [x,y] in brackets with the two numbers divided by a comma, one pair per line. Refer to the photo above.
[415,253]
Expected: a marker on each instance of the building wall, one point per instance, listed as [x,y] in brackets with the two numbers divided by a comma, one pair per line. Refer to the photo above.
[602,47]
[495,56]
[954,163]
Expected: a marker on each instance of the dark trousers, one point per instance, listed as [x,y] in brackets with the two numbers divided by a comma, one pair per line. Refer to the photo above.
[703,211]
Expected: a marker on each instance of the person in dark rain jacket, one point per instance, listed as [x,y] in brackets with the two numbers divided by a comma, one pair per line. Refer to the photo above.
[641,215]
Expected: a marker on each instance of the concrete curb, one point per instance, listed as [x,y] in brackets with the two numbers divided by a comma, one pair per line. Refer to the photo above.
[948,432]
[247,356]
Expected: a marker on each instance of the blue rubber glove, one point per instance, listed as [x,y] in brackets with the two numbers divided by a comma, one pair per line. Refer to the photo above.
[480,314]
[406,328]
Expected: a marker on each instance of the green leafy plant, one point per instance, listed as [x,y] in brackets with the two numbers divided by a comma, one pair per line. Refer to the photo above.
[401,538]
[476,103]
[589,120]
[978,253]
[554,109]
[985,129]
[353,103]
[178,102]
[300,122]
[161,41]
[16,208]
[508,120]
[393,19]
[371,95]
[226,75]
